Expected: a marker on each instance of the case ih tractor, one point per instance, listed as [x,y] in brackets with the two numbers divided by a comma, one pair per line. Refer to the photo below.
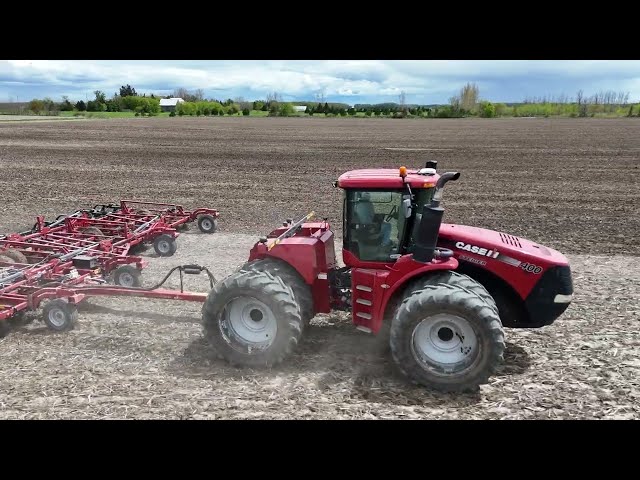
[444,292]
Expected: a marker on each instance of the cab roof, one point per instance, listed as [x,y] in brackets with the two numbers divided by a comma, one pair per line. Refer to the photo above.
[385,178]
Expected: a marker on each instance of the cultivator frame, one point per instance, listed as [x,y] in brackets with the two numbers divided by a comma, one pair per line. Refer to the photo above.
[74,256]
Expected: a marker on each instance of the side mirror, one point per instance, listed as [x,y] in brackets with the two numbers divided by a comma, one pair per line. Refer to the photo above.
[406,207]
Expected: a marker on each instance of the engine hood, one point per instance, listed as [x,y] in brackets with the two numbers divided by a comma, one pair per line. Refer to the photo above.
[491,244]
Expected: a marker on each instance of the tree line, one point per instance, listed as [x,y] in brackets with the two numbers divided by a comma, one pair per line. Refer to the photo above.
[467,102]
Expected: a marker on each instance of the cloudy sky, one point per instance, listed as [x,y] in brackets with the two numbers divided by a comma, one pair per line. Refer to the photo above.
[357,81]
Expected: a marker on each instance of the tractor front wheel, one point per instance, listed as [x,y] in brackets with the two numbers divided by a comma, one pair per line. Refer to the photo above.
[447,338]
[251,319]
[451,277]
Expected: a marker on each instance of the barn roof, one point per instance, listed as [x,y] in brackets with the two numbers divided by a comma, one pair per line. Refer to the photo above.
[170,102]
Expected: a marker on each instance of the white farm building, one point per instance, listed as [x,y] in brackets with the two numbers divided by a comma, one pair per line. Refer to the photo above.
[169,104]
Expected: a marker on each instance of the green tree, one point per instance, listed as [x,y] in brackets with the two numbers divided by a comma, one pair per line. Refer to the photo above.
[100,96]
[66,105]
[286,109]
[246,112]
[81,106]
[351,111]
[487,110]
[36,106]
[128,91]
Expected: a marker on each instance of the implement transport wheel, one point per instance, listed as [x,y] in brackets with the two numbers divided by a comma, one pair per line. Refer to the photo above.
[15,255]
[5,328]
[59,315]
[446,338]
[19,319]
[165,245]
[291,278]
[252,319]
[207,224]
[451,277]
[137,248]
[127,276]
[94,231]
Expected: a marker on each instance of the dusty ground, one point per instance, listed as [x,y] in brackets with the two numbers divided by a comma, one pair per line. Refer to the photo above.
[568,183]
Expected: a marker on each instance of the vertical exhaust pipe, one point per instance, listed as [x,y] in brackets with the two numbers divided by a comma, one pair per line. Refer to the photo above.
[429,228]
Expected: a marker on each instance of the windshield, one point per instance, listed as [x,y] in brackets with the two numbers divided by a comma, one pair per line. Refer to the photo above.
[373,224]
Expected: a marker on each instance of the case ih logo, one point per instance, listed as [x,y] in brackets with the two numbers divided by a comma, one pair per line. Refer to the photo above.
[477,250]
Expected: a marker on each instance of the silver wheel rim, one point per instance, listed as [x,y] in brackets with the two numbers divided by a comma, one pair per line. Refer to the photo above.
[250,322]
[206,224]
[57,317]
[126,279]
[164,246]
[445,342]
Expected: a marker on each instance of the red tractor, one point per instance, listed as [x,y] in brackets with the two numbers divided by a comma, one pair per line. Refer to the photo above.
[444,291]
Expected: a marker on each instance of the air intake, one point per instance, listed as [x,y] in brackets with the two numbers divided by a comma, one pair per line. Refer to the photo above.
[510,240]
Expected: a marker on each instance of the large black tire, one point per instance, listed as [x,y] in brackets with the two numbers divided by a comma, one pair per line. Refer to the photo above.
[16,255]
[230,307]
[207,224]
[165,245]
[439,324]
[291,278]
[60,315]
[5,328]
[127,276]
[451,277]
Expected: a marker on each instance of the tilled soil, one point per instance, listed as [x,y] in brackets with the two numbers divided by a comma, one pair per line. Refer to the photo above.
[570,184]
[138,358]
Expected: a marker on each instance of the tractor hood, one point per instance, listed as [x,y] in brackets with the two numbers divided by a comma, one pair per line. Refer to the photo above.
[489,243]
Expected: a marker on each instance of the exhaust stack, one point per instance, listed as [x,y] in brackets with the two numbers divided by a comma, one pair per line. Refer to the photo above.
[430,221]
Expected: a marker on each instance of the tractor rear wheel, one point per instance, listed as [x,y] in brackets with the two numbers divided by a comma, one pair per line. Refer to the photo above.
[289,277]
[252,319]
[447,338]
[451,277]
[16,255]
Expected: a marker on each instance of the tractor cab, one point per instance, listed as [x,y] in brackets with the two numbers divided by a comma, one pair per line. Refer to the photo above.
[381,212]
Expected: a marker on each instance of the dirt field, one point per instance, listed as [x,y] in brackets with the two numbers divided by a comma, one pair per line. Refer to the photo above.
[571,184]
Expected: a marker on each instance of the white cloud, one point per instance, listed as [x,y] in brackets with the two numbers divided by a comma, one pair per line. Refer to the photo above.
[423,81]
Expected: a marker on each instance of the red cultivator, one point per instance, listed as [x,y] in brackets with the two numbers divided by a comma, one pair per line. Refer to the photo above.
[76,255]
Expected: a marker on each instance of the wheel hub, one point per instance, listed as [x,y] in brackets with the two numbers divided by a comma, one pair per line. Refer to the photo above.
[126,279]
[445,341]
[206,224]
[57,317]
[250,322]
[164,246]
